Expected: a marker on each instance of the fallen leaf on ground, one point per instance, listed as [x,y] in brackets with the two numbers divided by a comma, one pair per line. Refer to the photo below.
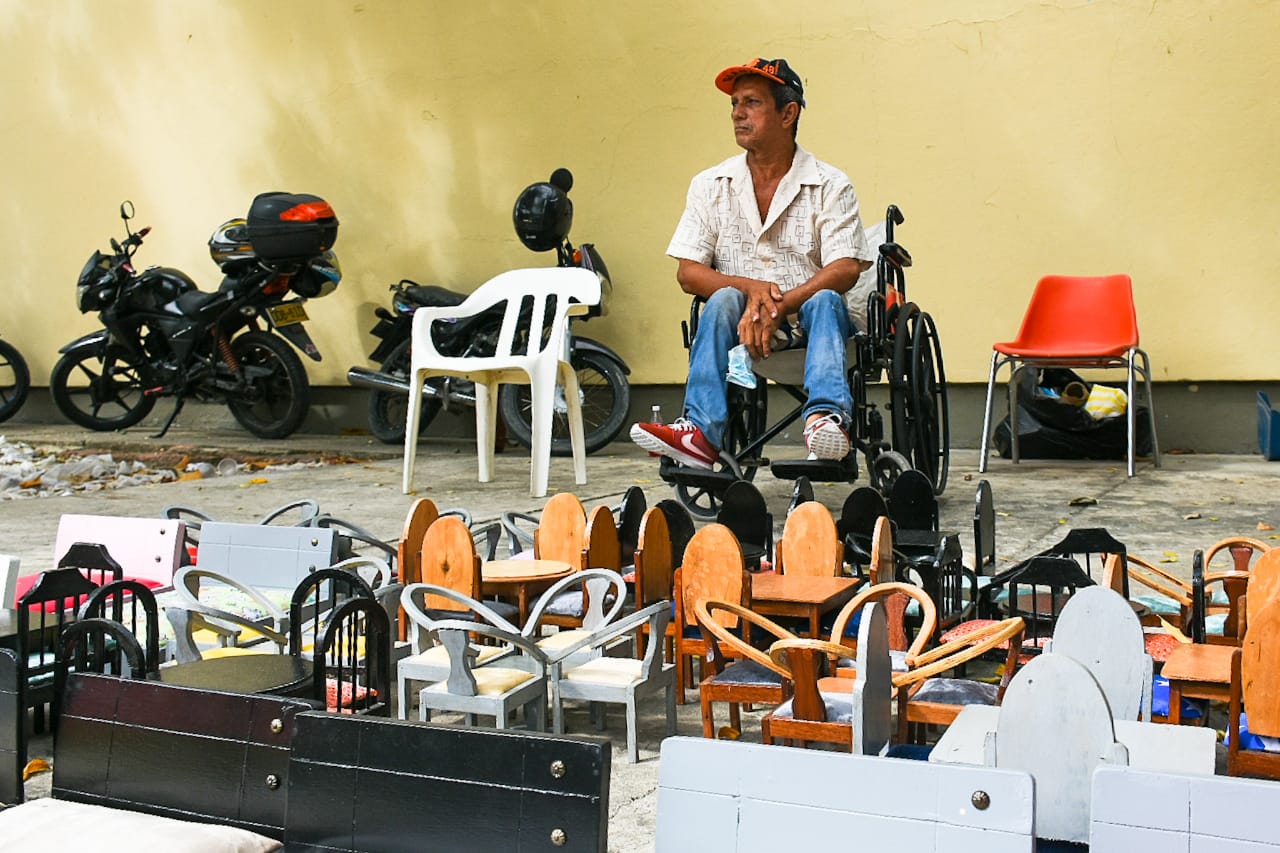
[1003,514]
[1083,501]
[190,475]
[1191,516]
[1262,525]
[1062,521]
[1169,557]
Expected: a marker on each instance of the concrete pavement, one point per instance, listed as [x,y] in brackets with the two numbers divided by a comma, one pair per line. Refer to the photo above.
[1162,514]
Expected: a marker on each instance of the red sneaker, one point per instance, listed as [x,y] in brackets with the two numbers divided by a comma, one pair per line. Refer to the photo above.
[682,441]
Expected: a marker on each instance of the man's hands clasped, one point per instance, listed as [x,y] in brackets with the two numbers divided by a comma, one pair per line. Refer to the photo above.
[762,316]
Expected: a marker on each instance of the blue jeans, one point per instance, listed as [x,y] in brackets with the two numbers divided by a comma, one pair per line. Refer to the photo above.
[826,326]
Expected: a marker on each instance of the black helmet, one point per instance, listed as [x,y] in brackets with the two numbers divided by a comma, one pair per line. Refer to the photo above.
[543,213]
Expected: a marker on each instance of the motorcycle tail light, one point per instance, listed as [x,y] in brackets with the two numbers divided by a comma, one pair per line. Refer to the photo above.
[277,286]
[310,211]
[577,256]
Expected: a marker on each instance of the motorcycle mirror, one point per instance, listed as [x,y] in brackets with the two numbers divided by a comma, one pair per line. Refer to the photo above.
[562,179]
[126,210]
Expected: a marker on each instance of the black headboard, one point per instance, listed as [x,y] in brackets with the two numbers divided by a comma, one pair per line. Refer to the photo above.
[368,784]
[13,749]
[175,751]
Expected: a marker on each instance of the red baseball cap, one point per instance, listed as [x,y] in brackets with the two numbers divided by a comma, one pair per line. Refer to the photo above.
[776,70]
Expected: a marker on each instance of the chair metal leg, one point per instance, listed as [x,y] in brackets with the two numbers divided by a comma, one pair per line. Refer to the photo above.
[1131,414]
[1015,453]
[986,417]
[1151,407]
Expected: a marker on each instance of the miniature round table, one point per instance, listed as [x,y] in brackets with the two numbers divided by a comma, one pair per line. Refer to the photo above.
[265,673]
[520,577]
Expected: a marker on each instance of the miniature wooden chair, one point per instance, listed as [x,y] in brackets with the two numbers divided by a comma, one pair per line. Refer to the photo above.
[600,550]
[857,522]
[926,695]
[449,559]
[810,545]
[912,503]
[1253,732]
[738,673]
[713,570]
[859,719]
[893,598]
[654,576]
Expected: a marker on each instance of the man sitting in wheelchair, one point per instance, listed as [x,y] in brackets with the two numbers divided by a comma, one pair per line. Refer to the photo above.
[772,240]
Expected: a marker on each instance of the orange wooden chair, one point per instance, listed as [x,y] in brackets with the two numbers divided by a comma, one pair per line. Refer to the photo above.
[810,545]
[713,570]
[738,672]
[1255,697]
[654,573]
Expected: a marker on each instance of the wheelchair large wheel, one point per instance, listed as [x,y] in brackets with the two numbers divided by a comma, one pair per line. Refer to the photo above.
[918,396]
[746,421]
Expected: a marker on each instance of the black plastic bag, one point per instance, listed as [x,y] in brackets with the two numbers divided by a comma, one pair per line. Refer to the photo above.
[1050,428]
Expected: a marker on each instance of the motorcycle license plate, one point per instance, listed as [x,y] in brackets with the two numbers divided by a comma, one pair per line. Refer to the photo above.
[287,314]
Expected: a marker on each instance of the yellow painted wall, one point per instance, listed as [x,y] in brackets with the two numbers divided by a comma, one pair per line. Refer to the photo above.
[1019,138]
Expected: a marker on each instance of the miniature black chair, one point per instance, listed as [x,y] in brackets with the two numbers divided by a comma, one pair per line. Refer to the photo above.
[133,605]
[802,493]
[352,661]
[43,612]
[93,561]
[1090,547]
[630,512]
[316,600]
[96,645]
[679,526]
[912,503]
[984,530]
[1036,589]
[857,524]
[746,514]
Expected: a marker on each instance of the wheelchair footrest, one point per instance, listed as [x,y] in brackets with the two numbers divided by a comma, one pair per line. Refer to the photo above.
[697,478]
[817,470]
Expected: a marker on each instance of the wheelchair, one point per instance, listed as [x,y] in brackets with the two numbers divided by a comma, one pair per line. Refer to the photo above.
[900,342]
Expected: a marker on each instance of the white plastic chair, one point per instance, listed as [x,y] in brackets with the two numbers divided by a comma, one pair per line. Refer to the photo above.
[543,366]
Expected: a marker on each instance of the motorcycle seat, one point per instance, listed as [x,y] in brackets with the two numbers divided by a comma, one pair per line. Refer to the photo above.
[433,296]
[193,302]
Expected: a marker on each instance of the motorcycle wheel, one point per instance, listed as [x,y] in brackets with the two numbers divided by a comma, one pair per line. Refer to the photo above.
[606,401]
[387,409]
[97,395]
[276,396]
[15,380]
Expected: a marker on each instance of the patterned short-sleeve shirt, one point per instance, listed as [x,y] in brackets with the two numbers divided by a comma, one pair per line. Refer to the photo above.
[812,221]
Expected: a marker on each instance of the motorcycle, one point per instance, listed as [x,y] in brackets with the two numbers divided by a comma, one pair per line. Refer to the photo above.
[15,380]
[542,217]
[162,336]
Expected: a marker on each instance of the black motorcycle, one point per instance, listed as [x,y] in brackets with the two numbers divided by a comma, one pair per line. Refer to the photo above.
[15,380]
[542,216]
[164,337]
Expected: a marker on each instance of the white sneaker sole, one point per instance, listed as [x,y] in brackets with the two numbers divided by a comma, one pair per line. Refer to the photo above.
[829,443]
[652,444]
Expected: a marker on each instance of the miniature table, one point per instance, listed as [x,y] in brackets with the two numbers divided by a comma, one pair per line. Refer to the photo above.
[1199,671]
[520,577]
[800,596]
[1152,746]
[265,673]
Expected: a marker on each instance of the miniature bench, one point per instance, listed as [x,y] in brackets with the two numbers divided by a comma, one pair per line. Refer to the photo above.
[733,797]
[1133,810]
[316,781]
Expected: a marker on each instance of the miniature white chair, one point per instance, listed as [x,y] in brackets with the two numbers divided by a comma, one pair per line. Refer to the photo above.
[493,690]
[543,364]
[1098,628]
[615,679]
[428,659]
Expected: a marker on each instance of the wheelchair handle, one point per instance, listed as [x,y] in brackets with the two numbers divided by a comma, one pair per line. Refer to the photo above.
[893,216]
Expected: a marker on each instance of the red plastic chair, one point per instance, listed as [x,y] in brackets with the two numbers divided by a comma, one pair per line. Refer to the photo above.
[1076,322]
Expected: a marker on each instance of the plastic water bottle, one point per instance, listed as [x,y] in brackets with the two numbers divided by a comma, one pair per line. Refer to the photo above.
[657,414]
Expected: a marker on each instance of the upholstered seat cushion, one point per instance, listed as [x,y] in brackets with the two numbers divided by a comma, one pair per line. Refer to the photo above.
[1159,645]
[1160,604]
[839,708]
[746,672]
[617,672]
[956,691]
[897,661]
[48,824]
[439,655]
[490,680]
[1191,708]
[562,639]
[351,694]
